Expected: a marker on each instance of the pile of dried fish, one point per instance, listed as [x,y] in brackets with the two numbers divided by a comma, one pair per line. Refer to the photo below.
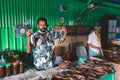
[114,47]
[68,75]
[65,64]
[113,53]
[92,70]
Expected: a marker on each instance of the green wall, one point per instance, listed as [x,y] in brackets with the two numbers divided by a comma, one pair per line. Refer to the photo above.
[13,12]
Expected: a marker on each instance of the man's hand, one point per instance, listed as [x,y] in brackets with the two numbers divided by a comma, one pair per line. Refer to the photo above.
[28,45]
[64,29]
[95,47]
[28,33]
[115,42]
[99,48]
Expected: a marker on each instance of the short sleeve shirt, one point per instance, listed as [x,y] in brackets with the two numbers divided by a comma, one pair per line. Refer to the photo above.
[43,51]
[92,39]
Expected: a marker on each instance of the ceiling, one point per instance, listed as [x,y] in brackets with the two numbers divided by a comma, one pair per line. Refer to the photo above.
[91,5]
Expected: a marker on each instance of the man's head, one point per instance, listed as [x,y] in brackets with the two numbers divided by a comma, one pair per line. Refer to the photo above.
[42,24]
[97,28]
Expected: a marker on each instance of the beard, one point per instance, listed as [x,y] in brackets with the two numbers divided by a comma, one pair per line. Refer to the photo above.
[43,29]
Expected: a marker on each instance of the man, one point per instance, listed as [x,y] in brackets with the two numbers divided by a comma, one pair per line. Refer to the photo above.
[94,42]
[41,43]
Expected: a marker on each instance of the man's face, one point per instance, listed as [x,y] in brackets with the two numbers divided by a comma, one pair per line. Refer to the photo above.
[98,29]
[42,26]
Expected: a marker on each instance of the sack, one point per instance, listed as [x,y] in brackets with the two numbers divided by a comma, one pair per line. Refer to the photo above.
[72,50]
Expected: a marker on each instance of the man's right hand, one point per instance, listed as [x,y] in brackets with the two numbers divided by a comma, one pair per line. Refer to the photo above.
[99,48]
[28,45]
[28,33]
[92,46]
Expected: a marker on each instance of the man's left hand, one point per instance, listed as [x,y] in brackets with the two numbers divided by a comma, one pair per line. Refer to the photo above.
[64,29]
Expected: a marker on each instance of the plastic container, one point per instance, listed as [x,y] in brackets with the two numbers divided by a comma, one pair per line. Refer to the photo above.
[2,71]
[108,77]
[15,68]
[8,69]
[82,60]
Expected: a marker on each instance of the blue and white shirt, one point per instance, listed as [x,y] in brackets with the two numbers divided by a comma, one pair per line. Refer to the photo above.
[43,51]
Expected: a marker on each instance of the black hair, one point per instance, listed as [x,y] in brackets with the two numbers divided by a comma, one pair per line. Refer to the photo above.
[42,19]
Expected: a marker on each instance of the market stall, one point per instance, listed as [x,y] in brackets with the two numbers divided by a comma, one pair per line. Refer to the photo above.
[59,40]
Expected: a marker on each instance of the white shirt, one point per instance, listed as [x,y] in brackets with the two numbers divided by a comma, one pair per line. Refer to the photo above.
[92,39]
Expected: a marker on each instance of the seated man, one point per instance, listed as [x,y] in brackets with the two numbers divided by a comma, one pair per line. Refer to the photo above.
[41,43]
[94,42]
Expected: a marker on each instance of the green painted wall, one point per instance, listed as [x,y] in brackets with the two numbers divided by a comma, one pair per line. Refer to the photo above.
[13,12]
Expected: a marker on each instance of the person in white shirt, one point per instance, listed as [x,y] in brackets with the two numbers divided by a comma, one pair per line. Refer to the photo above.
[94,42]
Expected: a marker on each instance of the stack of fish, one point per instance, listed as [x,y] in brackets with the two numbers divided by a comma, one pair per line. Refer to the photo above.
[91,70]
[113,53]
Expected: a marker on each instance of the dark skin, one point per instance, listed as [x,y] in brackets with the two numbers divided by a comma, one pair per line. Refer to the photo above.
[41,25]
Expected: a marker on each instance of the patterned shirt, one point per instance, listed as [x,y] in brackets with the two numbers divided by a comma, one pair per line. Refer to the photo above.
[43,51]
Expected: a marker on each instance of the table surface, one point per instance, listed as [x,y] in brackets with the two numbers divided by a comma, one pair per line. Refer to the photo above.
[33,74]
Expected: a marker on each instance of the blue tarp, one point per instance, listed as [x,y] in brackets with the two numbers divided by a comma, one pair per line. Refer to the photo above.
[117,37]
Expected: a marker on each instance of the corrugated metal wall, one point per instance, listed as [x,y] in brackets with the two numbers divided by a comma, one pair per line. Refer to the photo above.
[13,12]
